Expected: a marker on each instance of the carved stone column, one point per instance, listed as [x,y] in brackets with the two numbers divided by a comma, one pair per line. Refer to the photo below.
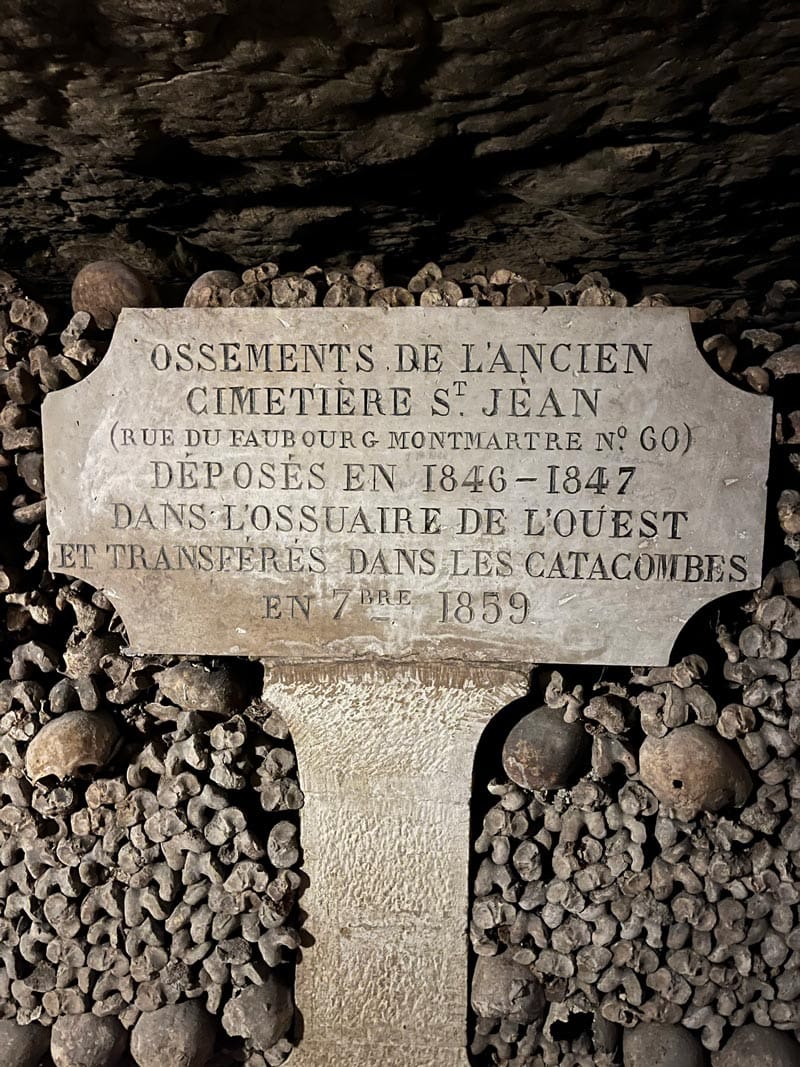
[385,756]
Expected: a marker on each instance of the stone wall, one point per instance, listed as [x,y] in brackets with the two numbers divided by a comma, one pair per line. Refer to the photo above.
[650,141]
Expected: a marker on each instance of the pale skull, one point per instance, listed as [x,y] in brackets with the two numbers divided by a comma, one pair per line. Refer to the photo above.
[74,744]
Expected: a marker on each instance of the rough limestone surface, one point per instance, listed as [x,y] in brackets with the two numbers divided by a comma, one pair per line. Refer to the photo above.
[386,767]
[656,142]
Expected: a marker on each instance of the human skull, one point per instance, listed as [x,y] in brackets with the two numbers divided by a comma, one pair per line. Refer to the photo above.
[758,1046]
[501,987]
[692,769]
[544,752]
[181,1034]
[71,745]
[22,1046]
[661,1045]
[87,1040]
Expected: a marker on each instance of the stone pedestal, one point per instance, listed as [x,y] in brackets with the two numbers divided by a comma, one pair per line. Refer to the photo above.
[385,756]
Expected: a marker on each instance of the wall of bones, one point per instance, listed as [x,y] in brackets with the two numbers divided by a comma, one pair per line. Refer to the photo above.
[636,883]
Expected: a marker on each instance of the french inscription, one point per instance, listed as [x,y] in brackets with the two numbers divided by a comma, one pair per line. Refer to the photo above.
[486,484]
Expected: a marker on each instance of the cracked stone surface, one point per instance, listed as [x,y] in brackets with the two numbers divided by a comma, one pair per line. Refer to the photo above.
[651,141]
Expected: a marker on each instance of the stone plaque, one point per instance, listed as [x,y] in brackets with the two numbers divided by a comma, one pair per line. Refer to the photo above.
[497,485]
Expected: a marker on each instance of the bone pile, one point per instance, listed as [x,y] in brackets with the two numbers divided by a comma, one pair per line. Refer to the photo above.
[623,909]
[637,885]
[148,832]
[149,853]
[170,880]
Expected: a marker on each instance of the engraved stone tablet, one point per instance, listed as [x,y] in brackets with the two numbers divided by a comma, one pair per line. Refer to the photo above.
[499,485]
